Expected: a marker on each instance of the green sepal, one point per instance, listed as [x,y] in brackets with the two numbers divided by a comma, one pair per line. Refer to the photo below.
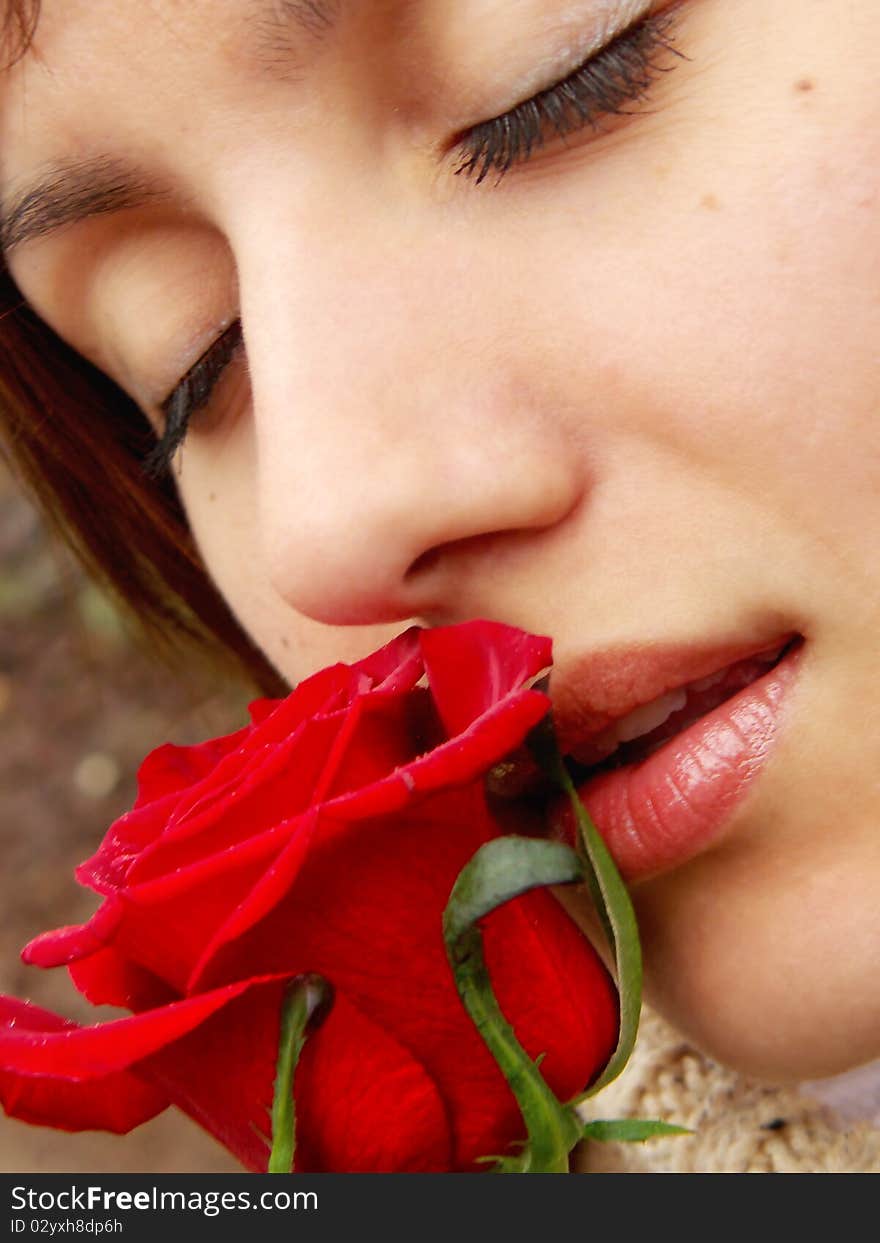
[305,1004]
[611,900]
[630,1130]
[503,869]
[500,870]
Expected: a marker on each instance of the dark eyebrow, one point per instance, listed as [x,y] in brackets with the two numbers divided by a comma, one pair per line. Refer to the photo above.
[71,191]
[314,17]
[273,22]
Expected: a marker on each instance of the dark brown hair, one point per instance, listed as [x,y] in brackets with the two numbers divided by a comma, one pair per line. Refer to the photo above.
[76,442]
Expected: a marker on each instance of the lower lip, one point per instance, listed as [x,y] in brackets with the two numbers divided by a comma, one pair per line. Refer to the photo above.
[657,814]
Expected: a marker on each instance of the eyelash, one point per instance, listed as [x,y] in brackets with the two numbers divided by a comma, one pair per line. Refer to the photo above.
[191,395]
[622,72]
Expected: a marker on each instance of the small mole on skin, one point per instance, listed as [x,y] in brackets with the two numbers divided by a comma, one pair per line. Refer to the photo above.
[804,84]
[285,642]
[212,496]
[710,202]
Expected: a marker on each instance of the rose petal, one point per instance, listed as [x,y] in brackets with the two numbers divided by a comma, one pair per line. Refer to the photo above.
[364,1104]
[385,735]
[473,667]
[273,885]
[568,1010]
[278,789]
[259,709]
[165,924]
[118,1102]
[461,760]
[62,946]
[132,834]
[171,769]
[395,1118]
[169,922]
[108,978]
[397,665]
[83,1053]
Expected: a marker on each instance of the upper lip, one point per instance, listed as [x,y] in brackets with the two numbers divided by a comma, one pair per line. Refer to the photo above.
[591,691]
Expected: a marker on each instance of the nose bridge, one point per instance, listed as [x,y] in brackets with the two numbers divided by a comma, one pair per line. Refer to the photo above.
[391,420]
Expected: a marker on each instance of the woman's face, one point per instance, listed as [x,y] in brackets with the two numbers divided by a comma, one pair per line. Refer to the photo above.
[625,395]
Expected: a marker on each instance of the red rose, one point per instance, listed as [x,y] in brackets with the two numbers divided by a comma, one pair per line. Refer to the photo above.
[324,837]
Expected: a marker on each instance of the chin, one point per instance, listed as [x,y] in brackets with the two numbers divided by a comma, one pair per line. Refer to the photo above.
[773,1044]
[777,979]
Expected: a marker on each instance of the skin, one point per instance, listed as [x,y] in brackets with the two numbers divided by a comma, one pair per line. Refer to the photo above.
[628,395]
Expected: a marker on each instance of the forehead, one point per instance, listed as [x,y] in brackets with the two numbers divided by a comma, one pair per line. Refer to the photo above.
[283,33]
[91,78]
[93,64]
[47,30]
[75,51]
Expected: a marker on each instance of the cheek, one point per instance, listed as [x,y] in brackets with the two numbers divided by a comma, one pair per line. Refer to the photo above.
[218,487]
[716,276]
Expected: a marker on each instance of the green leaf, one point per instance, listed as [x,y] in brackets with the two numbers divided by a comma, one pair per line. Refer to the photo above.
[631,1130]
[503,869]
[611,900]
[617,914]
[500,870]
[306,1002]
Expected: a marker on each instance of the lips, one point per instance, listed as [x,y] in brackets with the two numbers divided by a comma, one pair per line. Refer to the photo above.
[664,743]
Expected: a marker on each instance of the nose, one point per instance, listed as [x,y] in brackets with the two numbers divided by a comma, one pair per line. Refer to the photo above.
[398,422]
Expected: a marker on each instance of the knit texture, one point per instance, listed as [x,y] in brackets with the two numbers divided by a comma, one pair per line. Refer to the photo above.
[740,1126]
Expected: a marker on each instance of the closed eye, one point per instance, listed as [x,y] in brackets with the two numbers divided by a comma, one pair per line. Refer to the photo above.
[192,394]
[620,73]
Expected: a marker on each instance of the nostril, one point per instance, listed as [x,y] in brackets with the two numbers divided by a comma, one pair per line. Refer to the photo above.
[461,549]
[433,557]
[423,564]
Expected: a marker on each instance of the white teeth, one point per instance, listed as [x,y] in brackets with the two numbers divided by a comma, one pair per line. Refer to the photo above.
[651,716]
[769,657]
[642,720]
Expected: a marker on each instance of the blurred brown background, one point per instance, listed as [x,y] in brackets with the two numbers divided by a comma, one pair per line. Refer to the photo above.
[79,708]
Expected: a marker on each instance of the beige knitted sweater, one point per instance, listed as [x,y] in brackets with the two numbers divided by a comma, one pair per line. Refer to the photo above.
[739,1126]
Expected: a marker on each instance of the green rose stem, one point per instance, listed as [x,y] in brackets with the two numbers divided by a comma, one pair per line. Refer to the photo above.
[306,1002]
[500,870]
[610,899]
